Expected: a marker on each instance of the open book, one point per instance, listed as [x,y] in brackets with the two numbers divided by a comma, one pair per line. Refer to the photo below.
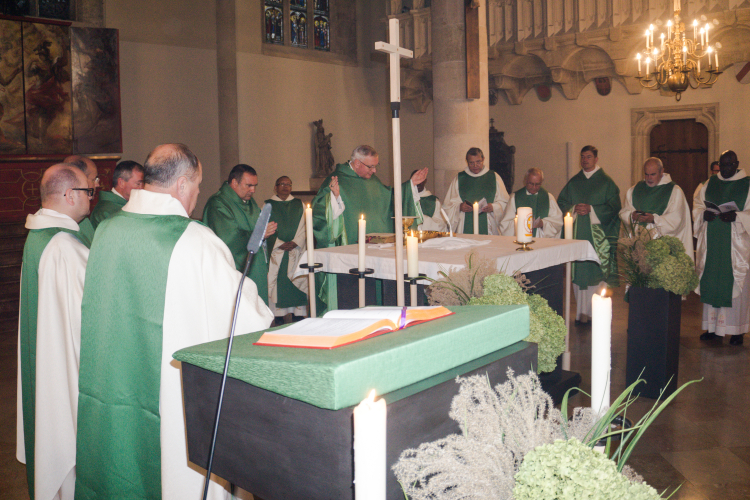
[729,206]
[341,327]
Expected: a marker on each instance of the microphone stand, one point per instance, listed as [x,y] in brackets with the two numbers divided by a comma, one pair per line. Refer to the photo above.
[248,261]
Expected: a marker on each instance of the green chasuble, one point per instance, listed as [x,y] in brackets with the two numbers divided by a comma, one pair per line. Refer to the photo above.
[473,189]
[121,349]
[718,279]
[601,192]
[86,232]
[652,200]
[287,214]
[109,204]
[36,242]
[427,205]
[233,220]
[539,203]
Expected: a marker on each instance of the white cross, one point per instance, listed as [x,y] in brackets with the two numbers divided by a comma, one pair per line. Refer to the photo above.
[395,53]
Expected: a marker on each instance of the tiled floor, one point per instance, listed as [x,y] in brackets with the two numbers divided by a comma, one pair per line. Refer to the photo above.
[701,441]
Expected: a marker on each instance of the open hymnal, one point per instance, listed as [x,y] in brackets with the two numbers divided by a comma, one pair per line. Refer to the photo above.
[341,327]
[729,206]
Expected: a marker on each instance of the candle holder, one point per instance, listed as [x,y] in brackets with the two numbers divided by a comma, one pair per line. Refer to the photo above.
[413,286]
[311,267]
[361,274]
[524,246]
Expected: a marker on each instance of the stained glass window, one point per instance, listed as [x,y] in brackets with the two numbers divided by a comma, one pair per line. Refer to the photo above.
[298,28]
[322,25]
[274,23]
[306,21]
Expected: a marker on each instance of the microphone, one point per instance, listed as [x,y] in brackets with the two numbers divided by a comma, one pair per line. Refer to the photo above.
[253,246]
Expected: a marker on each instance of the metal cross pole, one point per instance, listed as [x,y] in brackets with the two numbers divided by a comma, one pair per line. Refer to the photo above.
[395,53]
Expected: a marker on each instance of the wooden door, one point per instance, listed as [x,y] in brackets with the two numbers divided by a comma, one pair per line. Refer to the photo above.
[683,147]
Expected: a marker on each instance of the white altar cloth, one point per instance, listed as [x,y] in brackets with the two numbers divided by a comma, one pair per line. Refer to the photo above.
[547,252]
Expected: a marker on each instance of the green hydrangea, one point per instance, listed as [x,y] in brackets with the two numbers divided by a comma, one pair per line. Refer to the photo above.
[570,470]
[675,274]
[546,327]
[657,250]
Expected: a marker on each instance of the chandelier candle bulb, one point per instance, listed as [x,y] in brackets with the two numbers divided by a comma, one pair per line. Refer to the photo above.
[716,55]
[695,29]
[662,41]
[601,351]
[412,256]
[669,29]
[523,227]
[309,234]
[361,237]
[369,449]
[648,62]
[638,58]
[568,227]
[476,218]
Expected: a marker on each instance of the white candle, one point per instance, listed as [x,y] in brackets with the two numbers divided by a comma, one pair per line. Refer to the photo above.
[695,29]
[412,256]
[638,57]
[648,62]
[716,54]
[669,29]
[702,37]
[677,6]
[369,449]
[523,227]
[309,233]
[708,52]
[662,41]
[476,218]
[684,54]
[361,237]
[568,227]
[601,352]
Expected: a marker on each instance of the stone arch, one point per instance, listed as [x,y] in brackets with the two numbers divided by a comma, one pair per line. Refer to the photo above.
[643,120]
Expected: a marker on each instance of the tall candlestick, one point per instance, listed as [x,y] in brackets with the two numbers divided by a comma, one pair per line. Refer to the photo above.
[369,449]
[309,234]
[412,256]
[525,221]
[476,218]
[601,352]
[361,237]
[568,227]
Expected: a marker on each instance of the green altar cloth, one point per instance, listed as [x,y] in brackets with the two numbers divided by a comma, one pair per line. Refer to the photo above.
[342,377]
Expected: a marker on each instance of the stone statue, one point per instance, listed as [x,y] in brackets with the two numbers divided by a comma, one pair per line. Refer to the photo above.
[323,157]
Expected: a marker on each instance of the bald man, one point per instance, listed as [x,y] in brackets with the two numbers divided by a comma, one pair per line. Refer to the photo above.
[88,167]
[157,281]
[52,276]
[659,204]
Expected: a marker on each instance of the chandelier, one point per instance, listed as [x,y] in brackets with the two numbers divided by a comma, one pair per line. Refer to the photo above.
[674,61]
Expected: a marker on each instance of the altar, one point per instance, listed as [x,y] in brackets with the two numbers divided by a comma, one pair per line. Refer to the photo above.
[286,426]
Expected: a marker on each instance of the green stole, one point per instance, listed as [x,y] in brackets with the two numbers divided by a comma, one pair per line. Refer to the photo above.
[108,205]
[652,200]
[427,204]
[118,446]
[718,279]
[473,189]
[233,221]
[539,203]
[287,214]
[601,192]
[36,242]
[86,232]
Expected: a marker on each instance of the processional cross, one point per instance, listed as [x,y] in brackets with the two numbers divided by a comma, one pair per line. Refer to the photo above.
[395,53]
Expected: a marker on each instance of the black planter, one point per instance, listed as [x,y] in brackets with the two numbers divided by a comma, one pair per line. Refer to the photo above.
[653,340]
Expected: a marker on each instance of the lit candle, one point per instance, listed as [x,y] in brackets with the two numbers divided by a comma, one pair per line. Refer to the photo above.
[369,449]
[523,227]
[361,237]
[716,55]
[669,29]
[638,58]
[412,256]
[309,233]
[651,33]
[601,351]
[708,52]
[695,29]
[568,227]
[662,41]
[476,218]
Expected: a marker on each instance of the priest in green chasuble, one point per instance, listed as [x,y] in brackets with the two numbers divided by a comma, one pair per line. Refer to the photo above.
[432,218]
[659,204]
[156,282]
[593,199]
[232,214]
[548,218]
[477,183]
[287,245]
[49,332]
[723,251]
[128,175]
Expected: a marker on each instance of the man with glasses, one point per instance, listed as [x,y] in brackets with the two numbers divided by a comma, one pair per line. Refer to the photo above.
[548,219]
[476,184]
[721,221]
[88,167]
[232,214]
[49,332]
[284,296]
[352,191]
[128,175]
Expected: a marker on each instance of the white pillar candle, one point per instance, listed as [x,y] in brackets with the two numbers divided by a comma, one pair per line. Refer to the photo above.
[412,256]
[361,236]
[476,218]
[601,352]
[523,228]
[369,449]
[568,227]
[309,234]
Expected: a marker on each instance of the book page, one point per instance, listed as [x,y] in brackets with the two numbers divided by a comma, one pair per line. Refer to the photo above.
[392,314]
[325,327]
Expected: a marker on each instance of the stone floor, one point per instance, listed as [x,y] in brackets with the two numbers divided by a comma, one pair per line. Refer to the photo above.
[701,441]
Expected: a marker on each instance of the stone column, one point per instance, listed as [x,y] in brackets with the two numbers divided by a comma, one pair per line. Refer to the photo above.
[226,62]
[458,123]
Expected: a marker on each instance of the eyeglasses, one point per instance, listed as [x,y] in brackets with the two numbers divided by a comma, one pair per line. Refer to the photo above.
[89,191]
[285,184]
[475,163]
[371,167]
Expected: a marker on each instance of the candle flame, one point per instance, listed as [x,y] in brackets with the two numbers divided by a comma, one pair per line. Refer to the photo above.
[604,292]
[362,217]
[308,205]
[371,396]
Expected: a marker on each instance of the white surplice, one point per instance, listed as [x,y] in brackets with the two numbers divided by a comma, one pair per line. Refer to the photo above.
[452,204]
[675,221]
[436,222]
[300,238]
[551,225]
